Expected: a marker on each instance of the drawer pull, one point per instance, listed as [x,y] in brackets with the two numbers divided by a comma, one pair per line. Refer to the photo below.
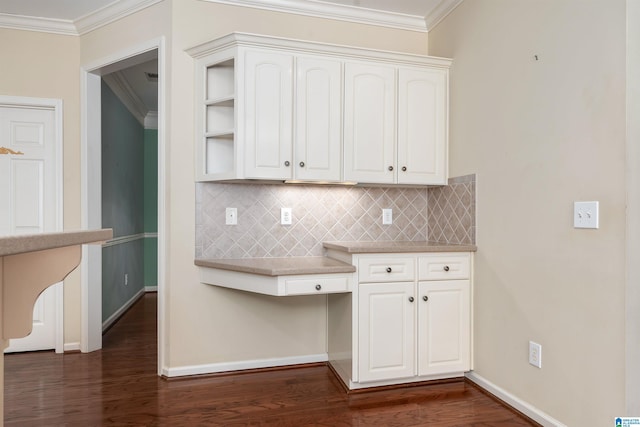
[446,268]
[318,287]
[404,169]
[301,164]
[389,270]
[287,163]
[410,299]
[425,298]
[390,168]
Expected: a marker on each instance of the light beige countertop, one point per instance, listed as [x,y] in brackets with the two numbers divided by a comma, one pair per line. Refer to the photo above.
[279,266]
[12,245]
[397,247]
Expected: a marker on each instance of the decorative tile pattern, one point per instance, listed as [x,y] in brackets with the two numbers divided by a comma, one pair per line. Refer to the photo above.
[451,211]
[320,213]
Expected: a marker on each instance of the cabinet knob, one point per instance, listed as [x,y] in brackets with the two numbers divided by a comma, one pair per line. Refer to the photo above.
[318,287]
[404,169]
[389,270]
[391,168]
[301,164]
[287,163]
[446,268]
[410,299]
[425,298]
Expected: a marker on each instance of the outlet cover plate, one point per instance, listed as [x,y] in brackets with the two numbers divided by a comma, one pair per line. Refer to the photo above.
[535,354]
[285,216]
[231,216]
[586,215]
[387,216]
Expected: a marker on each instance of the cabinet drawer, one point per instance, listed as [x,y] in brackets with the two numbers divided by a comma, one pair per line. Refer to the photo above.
[316,286]
[444,267]
[386,269]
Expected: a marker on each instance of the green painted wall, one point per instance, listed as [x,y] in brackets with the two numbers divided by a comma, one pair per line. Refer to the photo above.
[151,206]
[122,202]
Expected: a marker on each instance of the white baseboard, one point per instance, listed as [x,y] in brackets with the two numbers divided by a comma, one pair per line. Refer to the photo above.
[115,316]
[242,365]
[71,346]
[517,403]
[151,288]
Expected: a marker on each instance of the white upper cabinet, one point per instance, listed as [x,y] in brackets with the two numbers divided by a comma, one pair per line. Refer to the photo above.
[318,137]
[369,123]
[279,110]
[422,126]
[266,112]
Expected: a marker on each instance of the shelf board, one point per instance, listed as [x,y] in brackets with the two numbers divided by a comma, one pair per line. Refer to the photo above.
[225,133]
[225,101]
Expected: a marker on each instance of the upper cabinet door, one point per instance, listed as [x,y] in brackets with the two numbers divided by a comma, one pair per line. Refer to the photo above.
[369,123]
[422,126]
[318,142]
[267,114]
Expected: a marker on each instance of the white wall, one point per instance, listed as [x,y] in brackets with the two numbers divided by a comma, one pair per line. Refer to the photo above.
[541,134]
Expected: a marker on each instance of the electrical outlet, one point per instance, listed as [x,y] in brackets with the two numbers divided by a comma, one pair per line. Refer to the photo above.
[387,216]
[285,216]
[126,279]
[231,216]
[586,215]
[535,354]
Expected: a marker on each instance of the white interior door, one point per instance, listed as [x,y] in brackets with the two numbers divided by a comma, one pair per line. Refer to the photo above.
[29,182]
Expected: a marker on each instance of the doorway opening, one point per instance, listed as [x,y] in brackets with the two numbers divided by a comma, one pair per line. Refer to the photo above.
[121,153]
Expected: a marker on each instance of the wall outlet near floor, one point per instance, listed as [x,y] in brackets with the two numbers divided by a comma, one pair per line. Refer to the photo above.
[285,216]
[535,354]
[231,216]
[387,216]
[126,279]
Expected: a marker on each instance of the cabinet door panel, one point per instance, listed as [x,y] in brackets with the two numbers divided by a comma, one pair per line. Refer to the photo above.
[444,328]
[318,143]
[422,126]
[369,127]
[268,114]
[386,334]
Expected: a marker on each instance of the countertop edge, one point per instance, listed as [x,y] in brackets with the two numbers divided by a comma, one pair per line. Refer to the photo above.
[279,266]
[14,245]
[397,247]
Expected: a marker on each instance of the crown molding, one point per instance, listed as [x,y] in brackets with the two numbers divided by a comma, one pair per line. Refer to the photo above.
[151,120]
[85,24]
[125,93]
[110,13]
[336,11]
[44,25]
[440,12]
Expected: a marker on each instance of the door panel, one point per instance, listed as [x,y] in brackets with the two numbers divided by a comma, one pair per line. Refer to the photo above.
[28,181]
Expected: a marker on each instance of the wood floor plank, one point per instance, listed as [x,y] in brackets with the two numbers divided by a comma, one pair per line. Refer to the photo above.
[119,386]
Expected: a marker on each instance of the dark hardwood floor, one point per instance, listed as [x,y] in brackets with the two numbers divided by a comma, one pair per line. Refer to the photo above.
[119,386]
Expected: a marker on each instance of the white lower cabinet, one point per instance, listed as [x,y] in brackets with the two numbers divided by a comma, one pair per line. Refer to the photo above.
[444,333]
[411,319]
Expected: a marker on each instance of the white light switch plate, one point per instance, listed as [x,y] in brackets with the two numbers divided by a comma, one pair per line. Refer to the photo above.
[387,216]
[285,216]
[586,215]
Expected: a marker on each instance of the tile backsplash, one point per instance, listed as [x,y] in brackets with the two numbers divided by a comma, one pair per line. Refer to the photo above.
[451,211]
[324,213]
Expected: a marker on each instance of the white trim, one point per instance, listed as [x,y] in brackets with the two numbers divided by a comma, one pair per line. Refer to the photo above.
[58,113]
[440,12]
[112,12]
[151,288]
[529,410]
[214,368]
[90,102]
[151,120]
[72,346]
[115,316]
[337,12]
[44,25]
[123,90]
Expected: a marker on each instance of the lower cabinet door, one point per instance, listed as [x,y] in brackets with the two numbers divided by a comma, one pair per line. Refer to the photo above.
[386,339]
[444,327]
